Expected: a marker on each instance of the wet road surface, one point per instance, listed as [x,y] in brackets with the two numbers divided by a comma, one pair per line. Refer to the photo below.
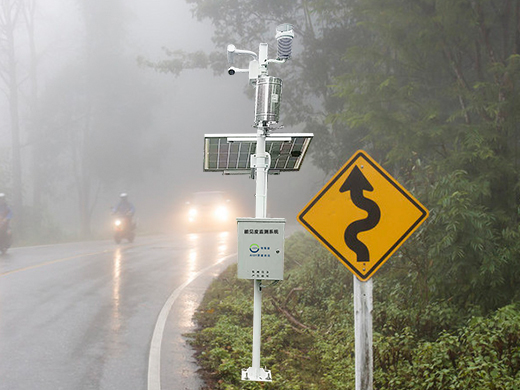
[96,315]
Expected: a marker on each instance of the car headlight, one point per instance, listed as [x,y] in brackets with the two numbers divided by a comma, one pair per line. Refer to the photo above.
[221,213]
[118,222]
[192,213]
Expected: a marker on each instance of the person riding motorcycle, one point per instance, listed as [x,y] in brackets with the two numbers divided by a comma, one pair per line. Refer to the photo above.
[124,224]
[5,224]
[124,208]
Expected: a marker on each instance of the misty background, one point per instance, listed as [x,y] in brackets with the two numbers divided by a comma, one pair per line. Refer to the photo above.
[91,123]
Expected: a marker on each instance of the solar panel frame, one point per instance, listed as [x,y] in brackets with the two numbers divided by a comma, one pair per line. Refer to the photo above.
[287,151]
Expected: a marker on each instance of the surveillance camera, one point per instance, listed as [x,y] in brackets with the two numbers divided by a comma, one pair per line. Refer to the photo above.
[231,71]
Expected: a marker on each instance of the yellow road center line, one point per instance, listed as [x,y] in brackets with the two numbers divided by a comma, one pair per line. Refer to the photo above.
[51,262]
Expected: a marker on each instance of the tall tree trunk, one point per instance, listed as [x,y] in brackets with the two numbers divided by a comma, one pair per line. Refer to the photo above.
[104,32]
[35,137]
[9,20]
[85,180]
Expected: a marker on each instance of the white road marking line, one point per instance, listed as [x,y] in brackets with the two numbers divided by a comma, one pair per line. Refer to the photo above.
[154,358]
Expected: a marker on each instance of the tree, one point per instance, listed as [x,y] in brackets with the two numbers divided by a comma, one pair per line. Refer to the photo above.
[10,19]
[430,88]
[95,114]
[20,76]
[434,91]
[323,30]
[34,217]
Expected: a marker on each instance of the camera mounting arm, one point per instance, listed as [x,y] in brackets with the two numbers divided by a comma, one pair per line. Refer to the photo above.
[259,63]
[232,50]
[253,69]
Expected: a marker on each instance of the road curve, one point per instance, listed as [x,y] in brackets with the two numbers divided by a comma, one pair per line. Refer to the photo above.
[93,315]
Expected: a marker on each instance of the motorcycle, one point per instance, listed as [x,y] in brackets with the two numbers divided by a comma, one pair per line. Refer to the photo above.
[124,228]
[6,237]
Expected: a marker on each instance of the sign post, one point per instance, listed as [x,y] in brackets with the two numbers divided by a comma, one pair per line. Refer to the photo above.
[363,333]
[363,215]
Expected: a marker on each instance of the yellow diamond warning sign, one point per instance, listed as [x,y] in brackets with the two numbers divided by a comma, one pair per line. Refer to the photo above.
[362,215]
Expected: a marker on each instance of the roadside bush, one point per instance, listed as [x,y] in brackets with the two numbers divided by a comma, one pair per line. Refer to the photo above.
[484,354]
[308,333]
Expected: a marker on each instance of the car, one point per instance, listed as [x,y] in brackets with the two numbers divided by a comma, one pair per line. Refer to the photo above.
[210,211]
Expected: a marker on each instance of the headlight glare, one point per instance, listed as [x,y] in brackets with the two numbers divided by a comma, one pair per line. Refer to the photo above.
[192,214]
[221,213]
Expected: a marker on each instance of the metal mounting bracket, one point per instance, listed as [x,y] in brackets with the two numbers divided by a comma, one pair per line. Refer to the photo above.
[256,374]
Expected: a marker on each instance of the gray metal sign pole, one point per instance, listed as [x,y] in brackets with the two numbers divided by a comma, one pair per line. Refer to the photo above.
[363,333]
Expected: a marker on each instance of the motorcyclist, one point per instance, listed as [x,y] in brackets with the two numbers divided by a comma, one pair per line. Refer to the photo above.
[5,213]
[124,208]
[5,224]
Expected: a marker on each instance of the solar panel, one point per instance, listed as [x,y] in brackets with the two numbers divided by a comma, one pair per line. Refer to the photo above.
[231,153]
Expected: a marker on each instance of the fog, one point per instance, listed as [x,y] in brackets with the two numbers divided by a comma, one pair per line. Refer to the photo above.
[168,134]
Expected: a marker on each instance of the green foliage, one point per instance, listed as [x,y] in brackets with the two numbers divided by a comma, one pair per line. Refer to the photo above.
[431,88]
[484,354]
[308,335]
[432,91]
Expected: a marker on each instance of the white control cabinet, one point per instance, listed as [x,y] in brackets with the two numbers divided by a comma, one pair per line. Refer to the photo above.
[261,248]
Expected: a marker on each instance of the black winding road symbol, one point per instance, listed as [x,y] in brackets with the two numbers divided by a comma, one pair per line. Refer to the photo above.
[356,183]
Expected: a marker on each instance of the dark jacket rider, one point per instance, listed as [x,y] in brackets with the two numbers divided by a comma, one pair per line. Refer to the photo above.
[5,211]
[124,207]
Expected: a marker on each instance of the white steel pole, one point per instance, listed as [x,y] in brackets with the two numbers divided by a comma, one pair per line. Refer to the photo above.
[261,174]
[257,326]
[262,162]
[260,212]
[363,333]
[256,373]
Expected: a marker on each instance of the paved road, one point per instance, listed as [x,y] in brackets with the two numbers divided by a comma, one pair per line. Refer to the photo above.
[97,315]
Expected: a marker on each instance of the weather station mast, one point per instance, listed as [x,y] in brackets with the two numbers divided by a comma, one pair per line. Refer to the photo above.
[260,239]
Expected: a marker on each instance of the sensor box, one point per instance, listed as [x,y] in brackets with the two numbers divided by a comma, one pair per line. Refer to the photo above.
[261,248]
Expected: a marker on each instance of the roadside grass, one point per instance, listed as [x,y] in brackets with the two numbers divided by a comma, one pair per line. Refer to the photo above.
[308,333]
